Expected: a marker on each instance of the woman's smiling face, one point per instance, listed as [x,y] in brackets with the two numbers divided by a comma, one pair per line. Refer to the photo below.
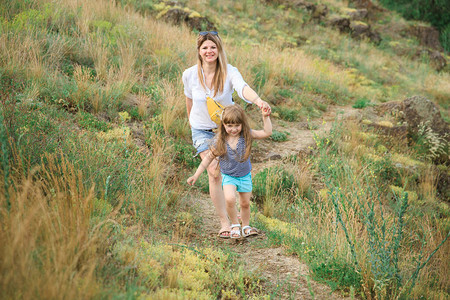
[208,51]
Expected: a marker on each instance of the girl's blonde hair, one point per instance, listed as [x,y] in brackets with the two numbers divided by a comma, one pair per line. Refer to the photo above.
[221,67]
[233,114]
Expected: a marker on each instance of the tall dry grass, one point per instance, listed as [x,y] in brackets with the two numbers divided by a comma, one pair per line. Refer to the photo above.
[286,65]
[131,50]
[49,248]
[388,237]
[427,185]
[173,109]
[152,180]
[22,53]
[350,218]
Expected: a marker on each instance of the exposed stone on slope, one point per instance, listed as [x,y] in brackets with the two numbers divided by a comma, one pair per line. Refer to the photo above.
[363,30]
[437,60]
[398,131]
[358,29]
[420,110]
[193,20]
[356,14]
[427,35]
[340,22]
[415,111]
[368,5]
[319,11]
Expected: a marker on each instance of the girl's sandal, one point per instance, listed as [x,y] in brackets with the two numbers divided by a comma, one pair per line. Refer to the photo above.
[235,233]
[249,231]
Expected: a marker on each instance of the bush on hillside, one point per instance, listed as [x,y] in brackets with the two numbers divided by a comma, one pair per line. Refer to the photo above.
[433,11]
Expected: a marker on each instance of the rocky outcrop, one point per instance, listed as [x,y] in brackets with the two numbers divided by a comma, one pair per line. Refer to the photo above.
[415,112]
[437,60]
[356,14]
[443,183]
[400,132]
[419,119]
[363,30]
[340,22]
[424,124]
[428,36]
[419,110]
[358,29]
[368,5]
[192,19]
[318,11]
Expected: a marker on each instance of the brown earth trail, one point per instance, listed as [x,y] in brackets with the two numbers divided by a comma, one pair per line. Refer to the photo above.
[283,271]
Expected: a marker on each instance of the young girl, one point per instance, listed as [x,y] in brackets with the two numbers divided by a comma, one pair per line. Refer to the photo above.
[232,146]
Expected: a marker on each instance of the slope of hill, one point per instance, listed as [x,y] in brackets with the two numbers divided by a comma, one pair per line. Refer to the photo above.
[352,190]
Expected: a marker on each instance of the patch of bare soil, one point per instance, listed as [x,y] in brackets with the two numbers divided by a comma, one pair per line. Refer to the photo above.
[279,268]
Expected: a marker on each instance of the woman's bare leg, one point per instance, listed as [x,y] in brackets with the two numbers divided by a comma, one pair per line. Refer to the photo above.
[216,193]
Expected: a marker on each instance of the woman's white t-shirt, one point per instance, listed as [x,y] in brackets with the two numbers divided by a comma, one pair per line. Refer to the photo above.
[199,116]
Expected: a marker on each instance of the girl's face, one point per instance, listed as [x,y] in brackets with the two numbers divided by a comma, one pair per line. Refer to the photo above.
[233,129]
[208,51]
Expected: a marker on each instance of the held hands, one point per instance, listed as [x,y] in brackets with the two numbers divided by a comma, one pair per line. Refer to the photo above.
[265,112]
[264,106]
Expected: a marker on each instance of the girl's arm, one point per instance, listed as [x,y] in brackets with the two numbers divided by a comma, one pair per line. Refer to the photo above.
[253,97]
[267,131]
[202,167]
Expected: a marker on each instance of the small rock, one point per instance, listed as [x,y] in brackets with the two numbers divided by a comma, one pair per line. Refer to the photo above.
[274,156]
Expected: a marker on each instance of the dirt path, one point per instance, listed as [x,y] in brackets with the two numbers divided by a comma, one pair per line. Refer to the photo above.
[301,137]
[278,268]
[273,264]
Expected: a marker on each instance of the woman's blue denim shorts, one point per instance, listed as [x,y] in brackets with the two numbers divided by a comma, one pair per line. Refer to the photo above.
[202,139]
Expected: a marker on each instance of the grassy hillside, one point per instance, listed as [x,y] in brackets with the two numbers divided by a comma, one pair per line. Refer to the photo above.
[95,149]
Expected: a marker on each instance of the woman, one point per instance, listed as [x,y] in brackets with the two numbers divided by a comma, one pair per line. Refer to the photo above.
[213,77]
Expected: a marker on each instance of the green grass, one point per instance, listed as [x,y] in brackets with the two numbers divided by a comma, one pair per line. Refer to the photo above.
[92,104]
[278,136]
[361,103]
[287,114]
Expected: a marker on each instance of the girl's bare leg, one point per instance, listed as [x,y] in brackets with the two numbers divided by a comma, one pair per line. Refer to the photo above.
[216,193]
[244,199]
[230,200]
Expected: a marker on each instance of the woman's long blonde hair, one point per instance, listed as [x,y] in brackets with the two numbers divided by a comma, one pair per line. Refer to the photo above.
[221,67]
[233,114]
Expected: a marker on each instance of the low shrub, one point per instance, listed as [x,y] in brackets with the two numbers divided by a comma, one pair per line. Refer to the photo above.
[278,136]
[286,113]
[361,103]
[90,122]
